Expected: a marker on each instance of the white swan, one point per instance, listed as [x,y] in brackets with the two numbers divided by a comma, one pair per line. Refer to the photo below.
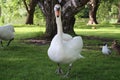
[64,49]
[106,50]
[6,33]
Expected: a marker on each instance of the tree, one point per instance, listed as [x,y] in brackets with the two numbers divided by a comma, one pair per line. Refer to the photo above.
[69,9]
[93,7]
[0,11]
[117,3]
[118,12]
[8,10]
[30,10]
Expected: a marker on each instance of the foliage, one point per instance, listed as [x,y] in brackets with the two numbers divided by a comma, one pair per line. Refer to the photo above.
[84,13]
[103,11]
[13,10]
[38,16]
[107,12]
[9,9]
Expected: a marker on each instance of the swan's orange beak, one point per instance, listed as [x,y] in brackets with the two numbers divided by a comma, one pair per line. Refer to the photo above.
[57,13]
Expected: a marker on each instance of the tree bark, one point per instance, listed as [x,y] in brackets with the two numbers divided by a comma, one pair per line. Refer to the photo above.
[69,9]
[0,11]
[47,7]
[30,11]
[68,25]
[93,7]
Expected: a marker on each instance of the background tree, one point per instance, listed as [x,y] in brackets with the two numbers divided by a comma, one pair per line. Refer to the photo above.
[117,3]
[8,9]
[119,13]
[93,7]
[69,9]
[30,8]
[0,10]
[107,12]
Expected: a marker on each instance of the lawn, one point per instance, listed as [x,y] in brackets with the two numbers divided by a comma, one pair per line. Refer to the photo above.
[23,61]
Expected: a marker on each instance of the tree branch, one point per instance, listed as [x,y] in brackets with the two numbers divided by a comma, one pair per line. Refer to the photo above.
[71,7]
[41,6]
[44,6]
[24,1]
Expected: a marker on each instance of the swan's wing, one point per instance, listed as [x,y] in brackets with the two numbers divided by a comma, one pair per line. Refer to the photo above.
[66,37]
[74,46]
[75,43]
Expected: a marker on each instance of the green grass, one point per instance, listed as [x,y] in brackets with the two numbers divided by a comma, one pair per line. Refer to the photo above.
[102,30]
[21,61]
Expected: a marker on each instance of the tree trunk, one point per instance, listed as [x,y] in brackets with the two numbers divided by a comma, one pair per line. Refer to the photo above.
[30,17]
[69,9]
[118,13]
[51,28]
[68,25]
[30,11]
[47,7]
[0,11]
[93,7]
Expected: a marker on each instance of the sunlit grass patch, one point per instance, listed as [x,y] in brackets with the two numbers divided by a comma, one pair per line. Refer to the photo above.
[102,31]
[28,31]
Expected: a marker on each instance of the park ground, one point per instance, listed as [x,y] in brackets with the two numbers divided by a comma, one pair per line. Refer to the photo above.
[26,58]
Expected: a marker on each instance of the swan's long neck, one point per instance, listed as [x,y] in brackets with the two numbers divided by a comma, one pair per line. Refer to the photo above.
[59,26]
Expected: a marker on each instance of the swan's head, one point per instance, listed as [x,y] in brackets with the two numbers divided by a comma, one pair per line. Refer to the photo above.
[104,44]
[57,9]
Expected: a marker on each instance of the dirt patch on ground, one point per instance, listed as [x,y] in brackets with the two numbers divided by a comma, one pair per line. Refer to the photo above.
[97,38]
[37,41]
[43,41]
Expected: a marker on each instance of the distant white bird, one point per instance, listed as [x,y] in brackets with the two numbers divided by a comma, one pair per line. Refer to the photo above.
[6,33]
[106,50]
[64,49]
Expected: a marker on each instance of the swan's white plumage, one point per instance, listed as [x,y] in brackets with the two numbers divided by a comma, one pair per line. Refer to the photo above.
[65,51]
[6,32]
[66,37]
[106,50]
[64,48]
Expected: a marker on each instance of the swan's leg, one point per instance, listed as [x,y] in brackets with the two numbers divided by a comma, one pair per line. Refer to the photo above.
[70,66]
[10,41]
[59,69]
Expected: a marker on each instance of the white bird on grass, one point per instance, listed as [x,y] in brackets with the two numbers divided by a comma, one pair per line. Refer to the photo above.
[106,50]
[64,49]
[6,33]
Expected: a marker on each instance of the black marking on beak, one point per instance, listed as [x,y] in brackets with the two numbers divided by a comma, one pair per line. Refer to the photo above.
[58,9]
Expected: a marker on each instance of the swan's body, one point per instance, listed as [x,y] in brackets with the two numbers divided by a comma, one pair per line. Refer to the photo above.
[6,33]
[64,49]
[106,50]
